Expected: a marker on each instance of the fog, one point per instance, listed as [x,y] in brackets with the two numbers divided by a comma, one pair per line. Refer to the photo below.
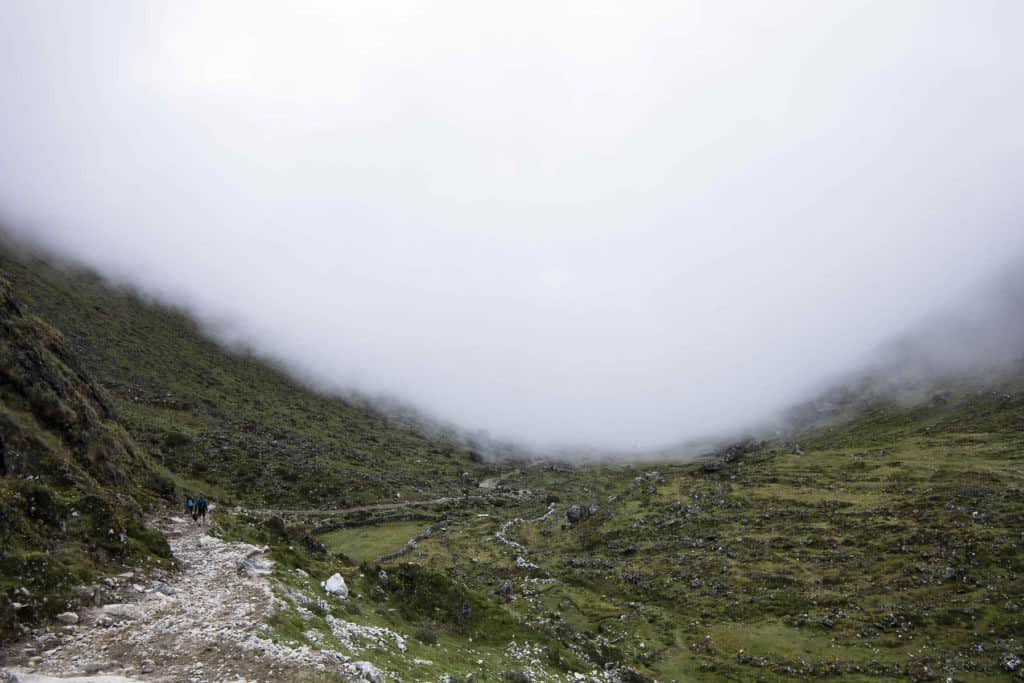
[616,225]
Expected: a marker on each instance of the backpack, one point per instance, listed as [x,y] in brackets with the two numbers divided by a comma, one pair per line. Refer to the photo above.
[189,503]
[202,506]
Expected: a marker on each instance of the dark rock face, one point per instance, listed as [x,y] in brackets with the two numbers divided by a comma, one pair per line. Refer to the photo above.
[575,514]
[579,513]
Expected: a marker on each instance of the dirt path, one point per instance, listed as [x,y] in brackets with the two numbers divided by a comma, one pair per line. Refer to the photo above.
[360,508]
[201,624]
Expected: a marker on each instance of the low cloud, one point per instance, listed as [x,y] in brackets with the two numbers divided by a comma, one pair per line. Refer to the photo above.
[568,224]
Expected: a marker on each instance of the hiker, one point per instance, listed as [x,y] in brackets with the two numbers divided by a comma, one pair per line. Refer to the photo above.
[201,508]
[190,506]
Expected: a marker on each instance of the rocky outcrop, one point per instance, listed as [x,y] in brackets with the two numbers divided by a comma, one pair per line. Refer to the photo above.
[580,513]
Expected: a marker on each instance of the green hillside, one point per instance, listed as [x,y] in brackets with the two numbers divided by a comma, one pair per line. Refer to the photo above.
[227,418]
[885,544]
[887,547]
[73,482]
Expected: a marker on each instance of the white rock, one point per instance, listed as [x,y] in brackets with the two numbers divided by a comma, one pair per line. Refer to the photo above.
[335,586]
[67,618]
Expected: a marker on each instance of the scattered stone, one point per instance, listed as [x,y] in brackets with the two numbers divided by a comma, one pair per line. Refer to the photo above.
[96,667]
[523,563]
[1011,662]
[39,678]
[253,551]
[67,618]
[119,610]
[254,568]
[367,671]
[354,637]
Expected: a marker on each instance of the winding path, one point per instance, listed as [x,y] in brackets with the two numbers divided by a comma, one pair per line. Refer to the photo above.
[200,624]
[358,508]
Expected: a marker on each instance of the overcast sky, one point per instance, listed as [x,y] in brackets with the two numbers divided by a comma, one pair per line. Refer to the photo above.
[614,224]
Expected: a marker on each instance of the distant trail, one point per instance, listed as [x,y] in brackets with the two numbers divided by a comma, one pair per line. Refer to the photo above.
[364,508]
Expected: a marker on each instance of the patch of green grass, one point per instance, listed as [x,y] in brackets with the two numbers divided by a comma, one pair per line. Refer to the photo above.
[367,543]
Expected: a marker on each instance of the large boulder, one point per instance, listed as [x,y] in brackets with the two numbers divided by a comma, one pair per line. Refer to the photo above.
[335,586]
[578,513]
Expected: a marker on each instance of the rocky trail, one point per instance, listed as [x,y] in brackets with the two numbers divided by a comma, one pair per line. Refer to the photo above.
[358,508]
[202,623]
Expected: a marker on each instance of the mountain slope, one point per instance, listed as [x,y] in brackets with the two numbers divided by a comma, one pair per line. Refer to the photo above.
[878,539]
[229,419]
[73,483]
